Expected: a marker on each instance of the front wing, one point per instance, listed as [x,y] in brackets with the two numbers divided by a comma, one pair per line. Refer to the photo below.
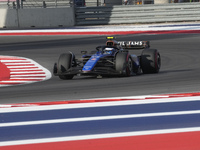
[96,71]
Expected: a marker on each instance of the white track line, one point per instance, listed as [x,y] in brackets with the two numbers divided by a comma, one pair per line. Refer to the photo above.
[28,75]
[27,78]
[149,27]
[99,136]
[11,81]
[20,69]
[100,104]
[98,118]
[21,63]
[14,67]
[29,72]
[13,60]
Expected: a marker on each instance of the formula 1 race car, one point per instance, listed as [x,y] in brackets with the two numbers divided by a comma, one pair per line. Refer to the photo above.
[112,59]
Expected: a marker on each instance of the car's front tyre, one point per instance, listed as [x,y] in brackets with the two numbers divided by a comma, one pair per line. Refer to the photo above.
[64,63]
[123,64]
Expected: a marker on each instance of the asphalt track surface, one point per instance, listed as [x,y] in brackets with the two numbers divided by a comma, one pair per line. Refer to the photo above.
[180,70]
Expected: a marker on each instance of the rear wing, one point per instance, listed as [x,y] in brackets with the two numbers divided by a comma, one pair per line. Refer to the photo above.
[134,44]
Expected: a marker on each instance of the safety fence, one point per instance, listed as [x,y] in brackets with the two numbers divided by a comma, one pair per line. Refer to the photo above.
[20,4]
[7,3]
[64,15]
[138,14]
[13,4]
[45,3]
[17,4]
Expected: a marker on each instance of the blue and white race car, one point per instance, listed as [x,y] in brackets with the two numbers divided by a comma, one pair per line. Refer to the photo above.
[112,59]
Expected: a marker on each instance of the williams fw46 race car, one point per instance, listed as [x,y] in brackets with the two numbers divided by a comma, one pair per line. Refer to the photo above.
[112,59]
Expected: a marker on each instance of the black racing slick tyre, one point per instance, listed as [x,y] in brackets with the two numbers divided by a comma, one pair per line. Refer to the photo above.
[150,61]
[65,63]
[123,64]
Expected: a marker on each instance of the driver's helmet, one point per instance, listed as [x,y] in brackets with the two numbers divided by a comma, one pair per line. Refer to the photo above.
[108,50]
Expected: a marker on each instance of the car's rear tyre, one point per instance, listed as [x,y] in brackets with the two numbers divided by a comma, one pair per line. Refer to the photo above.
[150,61]
[65,63]
[123,64]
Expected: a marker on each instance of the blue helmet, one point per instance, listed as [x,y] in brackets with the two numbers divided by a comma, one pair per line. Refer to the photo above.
[108,50]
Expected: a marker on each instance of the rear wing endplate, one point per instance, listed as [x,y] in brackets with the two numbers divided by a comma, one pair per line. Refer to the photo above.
[134,44]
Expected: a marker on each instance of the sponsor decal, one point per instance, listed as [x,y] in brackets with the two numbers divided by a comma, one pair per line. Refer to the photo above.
[130,43]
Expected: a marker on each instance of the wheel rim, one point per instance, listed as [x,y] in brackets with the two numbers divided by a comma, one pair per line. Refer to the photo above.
[129,67]
[158,61]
